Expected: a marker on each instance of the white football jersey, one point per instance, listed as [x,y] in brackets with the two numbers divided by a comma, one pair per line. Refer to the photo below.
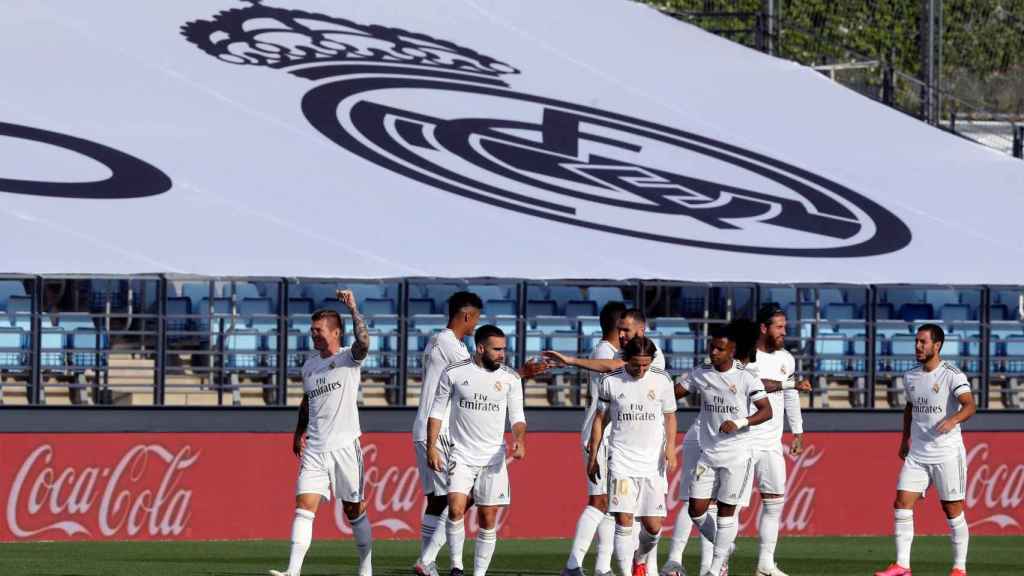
[724,396]
[603,351]
[443,349]
[933,397]
[478,401]
[331,386]
[635,411]
[780,366]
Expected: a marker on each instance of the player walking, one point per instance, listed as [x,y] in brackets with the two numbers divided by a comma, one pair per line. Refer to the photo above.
[477,393]
[327,434]
[638,404]
[939,399]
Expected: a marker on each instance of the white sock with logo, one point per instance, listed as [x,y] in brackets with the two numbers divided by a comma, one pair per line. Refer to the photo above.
[724,540]
[586,527]
[648,544]
[433,535]
[771,515]
[959,536]
[624,547]
[605,544]
[680,535]
[302,536]
[904,530]
[486,539]
[707,545]
[707,525]
[456,539]
[361,532]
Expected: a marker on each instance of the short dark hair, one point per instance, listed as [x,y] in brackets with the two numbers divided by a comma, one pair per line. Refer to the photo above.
[635,314]
[486,331]
[639,346]
[461,300]
[745,333]
[722,331]
[331,315]
[769,311]
[610,314]
[935,331]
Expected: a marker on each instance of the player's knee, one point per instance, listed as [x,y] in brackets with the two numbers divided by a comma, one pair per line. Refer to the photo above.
[726,510]
[952,508]
[436,504]
[353,510]
[456,510]
[307,502]
[599,501]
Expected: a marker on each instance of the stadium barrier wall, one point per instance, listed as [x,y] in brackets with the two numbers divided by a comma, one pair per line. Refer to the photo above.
[222,484]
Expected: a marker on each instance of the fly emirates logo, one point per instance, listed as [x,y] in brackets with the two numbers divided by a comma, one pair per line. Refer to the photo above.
[480,403]
[636,412]
[719,405]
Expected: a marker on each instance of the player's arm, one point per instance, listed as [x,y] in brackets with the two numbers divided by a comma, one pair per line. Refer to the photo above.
[592,364]
[531,369]
[682,386]
[908,416]
[299,439]
[437,413]
[361,346]
[763,414]
[967,409]
[596,434]
[668,408]
[795,419]
[517,418]
[788,384]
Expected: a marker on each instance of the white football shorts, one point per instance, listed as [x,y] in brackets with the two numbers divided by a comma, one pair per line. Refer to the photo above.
[949,477]
[640,496]
[487,484]
[770,470]
[691,454]
[340,469]
[434,482]
[723,479]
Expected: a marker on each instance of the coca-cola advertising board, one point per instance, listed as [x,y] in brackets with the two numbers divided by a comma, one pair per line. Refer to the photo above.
[234,486]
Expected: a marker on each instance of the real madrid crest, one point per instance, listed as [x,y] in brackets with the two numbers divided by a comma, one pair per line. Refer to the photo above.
[935,387]
[650,394]
[732,387]
[498,385]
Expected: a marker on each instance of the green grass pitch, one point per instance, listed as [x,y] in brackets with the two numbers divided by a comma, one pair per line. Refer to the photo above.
[847,556]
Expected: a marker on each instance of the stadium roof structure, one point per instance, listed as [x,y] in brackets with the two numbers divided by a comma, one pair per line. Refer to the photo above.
[571,139]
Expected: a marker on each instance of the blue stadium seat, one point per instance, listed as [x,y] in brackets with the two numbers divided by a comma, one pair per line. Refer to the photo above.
[19,308]
[540,308]
[552,324]
[998,312]
[419,306]
[828,296]
[837,311]
[440,293]
[71,321]
[52,343]
[177,310]
[562,295]
[590,333]
[1015,355]
[564,341]
[248,307]
[903,352]
[916,311]
[507,324]
[319,292]
[8,289]
[298,345]
[196,291]
[377,306]
[781,296]
[242,350]
[383,339]
[12,349]
[421,327]
[221,311]
[536,292]
[576,308]
[244,290]
[88,348]
[900,296]
[940,298]
[489,291]
[830,350]
[884,311]
[503,307]
[955,313]
[601,295]
[679,342]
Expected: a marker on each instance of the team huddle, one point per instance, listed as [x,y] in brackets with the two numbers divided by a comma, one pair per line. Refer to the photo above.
[746,389]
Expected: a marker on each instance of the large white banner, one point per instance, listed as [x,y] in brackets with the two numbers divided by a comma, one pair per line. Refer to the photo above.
[565,139]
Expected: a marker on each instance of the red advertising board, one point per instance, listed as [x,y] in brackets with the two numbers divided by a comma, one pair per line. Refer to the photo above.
[235,486]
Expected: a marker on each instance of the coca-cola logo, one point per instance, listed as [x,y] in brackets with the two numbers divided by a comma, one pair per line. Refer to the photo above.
[120,500]
[999,487]
[392,491]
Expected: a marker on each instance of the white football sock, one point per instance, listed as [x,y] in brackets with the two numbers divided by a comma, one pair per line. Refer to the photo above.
[456,539]
[361,531]
[707,545]
[652,557]
[959,536]
[302,536]
[485,542]
[680,535]
[707,525]
[624,547]
[904,536]
[724,540]
[648,542]
[605,544]
[433,535]
[586,527]
[771,515]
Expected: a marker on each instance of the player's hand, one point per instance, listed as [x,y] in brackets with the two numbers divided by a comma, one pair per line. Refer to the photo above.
[298,444]
[727,427]
[804,385]
[557,359]
[796,447]
[945,425]
[434,459]
[904,449]
[594,470]
[671,461]
[347,298]
[532,368]
[518,450]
